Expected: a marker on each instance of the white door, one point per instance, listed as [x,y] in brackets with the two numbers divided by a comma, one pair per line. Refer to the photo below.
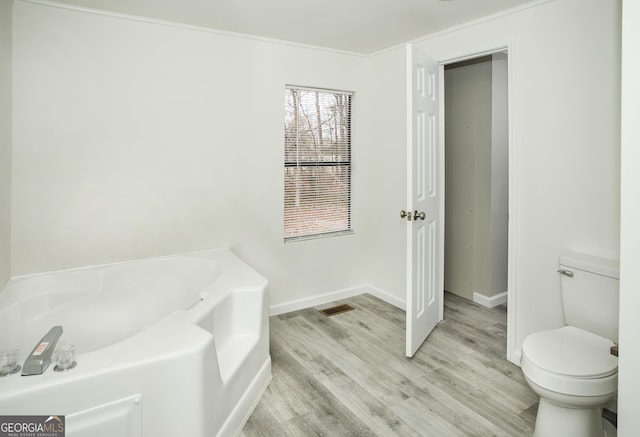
[423,193]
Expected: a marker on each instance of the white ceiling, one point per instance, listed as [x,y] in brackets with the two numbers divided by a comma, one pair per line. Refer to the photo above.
[362,26]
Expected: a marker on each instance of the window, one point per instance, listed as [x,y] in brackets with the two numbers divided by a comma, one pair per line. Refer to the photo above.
[317,163]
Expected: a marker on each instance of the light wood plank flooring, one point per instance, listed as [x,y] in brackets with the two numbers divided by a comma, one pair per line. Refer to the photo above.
[347,375]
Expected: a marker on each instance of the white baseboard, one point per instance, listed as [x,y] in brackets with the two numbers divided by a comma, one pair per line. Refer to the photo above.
[388,298]
[490,301]
[517,356]
[318,299]
[321,299]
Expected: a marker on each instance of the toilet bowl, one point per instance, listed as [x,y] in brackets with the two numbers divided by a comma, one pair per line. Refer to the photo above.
[571,367]
[574,375]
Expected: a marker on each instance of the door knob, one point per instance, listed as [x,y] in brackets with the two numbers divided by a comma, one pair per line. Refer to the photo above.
[419,215]
[405,214]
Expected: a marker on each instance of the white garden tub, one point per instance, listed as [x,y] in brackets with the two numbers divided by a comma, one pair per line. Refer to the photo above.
[171,346]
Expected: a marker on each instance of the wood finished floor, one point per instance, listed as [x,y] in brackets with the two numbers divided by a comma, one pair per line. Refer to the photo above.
[346,375]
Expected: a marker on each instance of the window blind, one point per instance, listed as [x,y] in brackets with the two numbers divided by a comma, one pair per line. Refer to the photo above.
[317,162]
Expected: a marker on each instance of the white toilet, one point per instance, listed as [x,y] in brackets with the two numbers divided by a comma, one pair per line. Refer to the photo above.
[571,368]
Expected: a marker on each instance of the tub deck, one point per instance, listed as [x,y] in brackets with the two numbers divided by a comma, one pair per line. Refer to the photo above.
[197,367]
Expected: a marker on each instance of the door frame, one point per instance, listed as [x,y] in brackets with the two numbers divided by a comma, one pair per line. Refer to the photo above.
[510,47]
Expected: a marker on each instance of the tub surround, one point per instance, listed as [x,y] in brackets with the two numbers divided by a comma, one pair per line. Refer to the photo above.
[196,366]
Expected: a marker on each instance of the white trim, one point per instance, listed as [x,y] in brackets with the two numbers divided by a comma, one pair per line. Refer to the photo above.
[517,356]
[157,21]
[486,18]
[513,353]
[490,301]
[388,298]
[441,179]
[315,300]
[492,17]
[325,90]
[132,17]
[324,298]
[497,48]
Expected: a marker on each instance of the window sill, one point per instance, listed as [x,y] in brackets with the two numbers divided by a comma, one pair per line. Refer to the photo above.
[318,236]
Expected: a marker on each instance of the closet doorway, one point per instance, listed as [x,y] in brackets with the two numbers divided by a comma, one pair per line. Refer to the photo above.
[477,179]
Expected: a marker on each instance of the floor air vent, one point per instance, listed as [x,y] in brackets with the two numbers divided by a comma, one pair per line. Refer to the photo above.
[337,310]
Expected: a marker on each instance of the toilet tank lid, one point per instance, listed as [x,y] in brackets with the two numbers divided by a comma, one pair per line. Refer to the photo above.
[591,263]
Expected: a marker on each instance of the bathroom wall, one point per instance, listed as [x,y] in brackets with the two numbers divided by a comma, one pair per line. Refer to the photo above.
[135,139]
[567,156]
[5,141]
[629,360]
[143,139]
[384,163]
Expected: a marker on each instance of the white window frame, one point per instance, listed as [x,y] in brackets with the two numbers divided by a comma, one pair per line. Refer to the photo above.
[317,154]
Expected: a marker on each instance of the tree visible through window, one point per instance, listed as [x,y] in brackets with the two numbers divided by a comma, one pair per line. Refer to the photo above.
[317,163]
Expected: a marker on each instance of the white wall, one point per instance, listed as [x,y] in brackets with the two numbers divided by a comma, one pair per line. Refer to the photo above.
[135,139]
[567,137]
[5,141]
[384,163]
[629,362]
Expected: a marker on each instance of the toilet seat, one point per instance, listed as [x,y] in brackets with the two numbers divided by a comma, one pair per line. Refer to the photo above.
[571,361]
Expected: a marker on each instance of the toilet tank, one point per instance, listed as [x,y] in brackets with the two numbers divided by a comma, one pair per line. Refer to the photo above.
[590,293]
